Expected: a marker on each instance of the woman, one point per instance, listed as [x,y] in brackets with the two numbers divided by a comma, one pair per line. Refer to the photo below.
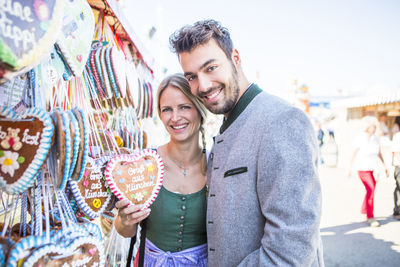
[366,154]
[175,227]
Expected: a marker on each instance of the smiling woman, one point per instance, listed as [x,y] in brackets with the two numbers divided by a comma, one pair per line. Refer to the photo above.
[177,220]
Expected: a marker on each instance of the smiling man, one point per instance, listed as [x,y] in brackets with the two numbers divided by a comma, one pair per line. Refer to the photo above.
[264,201]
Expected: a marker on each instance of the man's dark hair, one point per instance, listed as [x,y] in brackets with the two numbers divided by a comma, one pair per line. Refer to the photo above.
[190,36]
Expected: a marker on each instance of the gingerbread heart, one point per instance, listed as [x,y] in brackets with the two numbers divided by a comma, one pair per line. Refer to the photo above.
[137,177]
[80,251]
[91,192]
[25,141]
[29,29]
[76,36]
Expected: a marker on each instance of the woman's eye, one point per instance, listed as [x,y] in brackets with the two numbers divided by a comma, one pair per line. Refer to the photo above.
[186,107]
[165,109]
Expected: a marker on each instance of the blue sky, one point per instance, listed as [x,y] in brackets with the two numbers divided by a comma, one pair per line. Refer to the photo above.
[352,45]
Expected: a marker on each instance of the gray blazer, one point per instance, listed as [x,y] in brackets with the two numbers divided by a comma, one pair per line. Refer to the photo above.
[264,201]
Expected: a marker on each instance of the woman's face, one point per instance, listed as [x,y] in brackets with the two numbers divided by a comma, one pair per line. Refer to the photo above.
[179,115]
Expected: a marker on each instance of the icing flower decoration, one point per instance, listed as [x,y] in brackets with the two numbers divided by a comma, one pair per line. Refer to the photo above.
[9,162]
[139,196]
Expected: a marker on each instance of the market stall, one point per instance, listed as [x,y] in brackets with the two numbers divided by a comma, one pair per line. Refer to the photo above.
[74,91]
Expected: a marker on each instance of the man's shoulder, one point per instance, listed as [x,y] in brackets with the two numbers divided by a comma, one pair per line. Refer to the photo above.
[274,106]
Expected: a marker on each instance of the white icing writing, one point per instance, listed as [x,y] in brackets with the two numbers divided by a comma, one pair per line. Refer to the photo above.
[31,139]
[96,176]
[96,194]
[133,171]
[132,187]
[12,31]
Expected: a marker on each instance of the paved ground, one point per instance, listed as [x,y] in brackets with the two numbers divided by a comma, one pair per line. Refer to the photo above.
[347,239]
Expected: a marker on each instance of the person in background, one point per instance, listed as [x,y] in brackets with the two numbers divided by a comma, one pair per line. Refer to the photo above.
[396,126]
[365,158]
[176,225]
[396,164]
[264,201]
[320,138]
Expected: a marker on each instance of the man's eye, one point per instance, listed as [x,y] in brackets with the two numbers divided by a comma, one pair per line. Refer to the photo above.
[211,68]
[190,78]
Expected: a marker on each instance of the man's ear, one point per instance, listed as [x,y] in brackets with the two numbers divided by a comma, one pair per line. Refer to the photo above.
[236,59]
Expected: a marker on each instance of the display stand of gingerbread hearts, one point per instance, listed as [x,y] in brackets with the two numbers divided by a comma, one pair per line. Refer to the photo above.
[137,177]
[25,141]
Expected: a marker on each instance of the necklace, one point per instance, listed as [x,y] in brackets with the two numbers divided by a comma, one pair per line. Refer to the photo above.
[181,166]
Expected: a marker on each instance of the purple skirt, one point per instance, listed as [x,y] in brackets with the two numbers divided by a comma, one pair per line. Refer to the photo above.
[155,257]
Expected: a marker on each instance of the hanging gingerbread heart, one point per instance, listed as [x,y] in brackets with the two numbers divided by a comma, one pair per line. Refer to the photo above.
[37,251]
[83,144]
[91,192]
[61,153]
[25,141]
[137,177]
[28,31]
[76,36]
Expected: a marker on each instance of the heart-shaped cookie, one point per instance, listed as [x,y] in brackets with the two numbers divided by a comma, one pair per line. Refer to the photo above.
[91,192]
[29,29]
[137,177]
[76,36]
[37,251]
[61,152]
[25,141]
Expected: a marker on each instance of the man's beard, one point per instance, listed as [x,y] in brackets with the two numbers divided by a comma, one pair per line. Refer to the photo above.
[231,88]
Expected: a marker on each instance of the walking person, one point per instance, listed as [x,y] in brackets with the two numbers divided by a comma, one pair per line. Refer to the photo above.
[176,225]
[365,158]
[396,164]
[264,201]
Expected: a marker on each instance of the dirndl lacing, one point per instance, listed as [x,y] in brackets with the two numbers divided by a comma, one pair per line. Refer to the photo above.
[155,257]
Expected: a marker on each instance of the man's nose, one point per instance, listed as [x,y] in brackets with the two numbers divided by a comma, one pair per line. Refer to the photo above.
[204,83]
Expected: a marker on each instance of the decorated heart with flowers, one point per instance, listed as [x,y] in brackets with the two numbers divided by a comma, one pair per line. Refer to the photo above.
[25,141]
[137,177]
[29,30]
[91,193]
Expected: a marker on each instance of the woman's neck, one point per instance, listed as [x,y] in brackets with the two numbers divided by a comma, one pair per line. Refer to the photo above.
[184,153]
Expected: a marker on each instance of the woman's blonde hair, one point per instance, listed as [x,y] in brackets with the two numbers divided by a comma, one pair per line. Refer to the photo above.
[180,82]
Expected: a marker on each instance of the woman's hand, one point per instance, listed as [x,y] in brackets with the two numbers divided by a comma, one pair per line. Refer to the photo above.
[128,217]
[130,214]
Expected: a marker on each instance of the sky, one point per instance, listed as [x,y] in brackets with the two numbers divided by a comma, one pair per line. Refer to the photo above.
[335,47]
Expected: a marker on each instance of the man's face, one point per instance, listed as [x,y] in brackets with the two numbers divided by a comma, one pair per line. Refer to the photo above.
[212,76]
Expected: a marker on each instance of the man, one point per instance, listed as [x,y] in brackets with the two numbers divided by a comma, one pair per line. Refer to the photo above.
[264,199]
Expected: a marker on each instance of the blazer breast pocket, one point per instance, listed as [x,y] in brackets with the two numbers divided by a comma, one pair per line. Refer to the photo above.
[235,171]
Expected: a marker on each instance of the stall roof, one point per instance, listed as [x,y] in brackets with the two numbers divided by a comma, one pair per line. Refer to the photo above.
[371,100]
[116,18]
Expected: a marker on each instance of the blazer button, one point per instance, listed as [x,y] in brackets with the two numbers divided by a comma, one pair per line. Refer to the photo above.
[179,240]
[179,233]
[181,225]
[183,198]
[183,207]
[182,218]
